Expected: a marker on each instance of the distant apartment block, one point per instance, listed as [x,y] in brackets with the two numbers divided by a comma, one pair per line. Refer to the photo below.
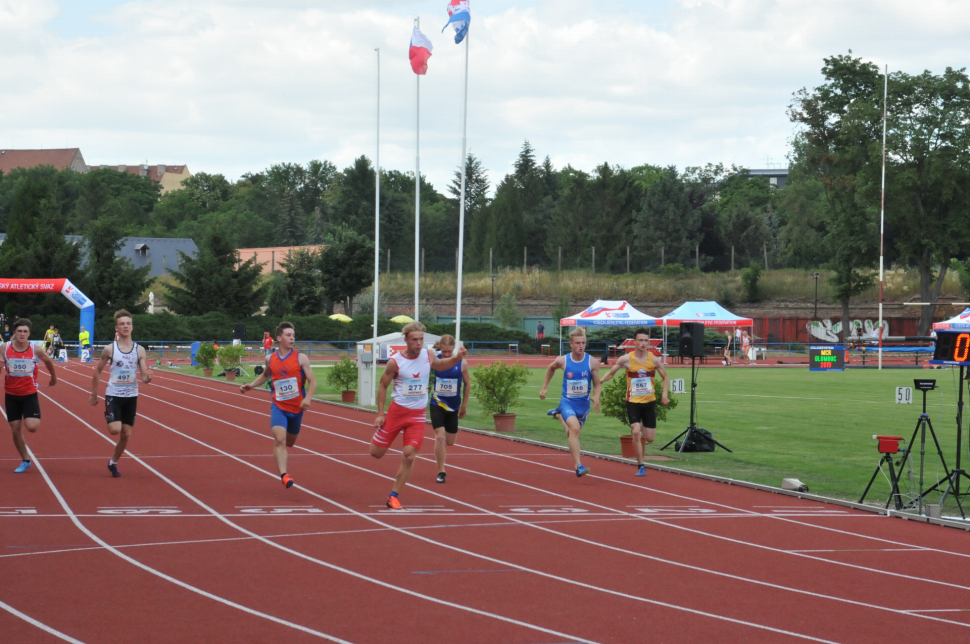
[271,256]
[170,176]
[777,177]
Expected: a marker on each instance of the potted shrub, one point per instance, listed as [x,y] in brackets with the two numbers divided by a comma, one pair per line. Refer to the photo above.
[613,405]
[229,358]
[496,387]
[206,357]
[343,376]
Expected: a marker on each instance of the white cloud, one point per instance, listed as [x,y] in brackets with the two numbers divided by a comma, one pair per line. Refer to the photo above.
[235,86]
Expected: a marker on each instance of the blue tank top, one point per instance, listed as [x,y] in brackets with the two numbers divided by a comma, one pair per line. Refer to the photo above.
[447,388]
[577,381]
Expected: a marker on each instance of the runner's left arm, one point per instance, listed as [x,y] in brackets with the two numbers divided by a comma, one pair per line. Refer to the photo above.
[143,368]
[311,381]
[663,374]
[260,379]
[594,367]
[50,367]
[466,379]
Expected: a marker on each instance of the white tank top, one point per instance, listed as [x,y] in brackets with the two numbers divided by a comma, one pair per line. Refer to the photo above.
[411,382]
[123,375]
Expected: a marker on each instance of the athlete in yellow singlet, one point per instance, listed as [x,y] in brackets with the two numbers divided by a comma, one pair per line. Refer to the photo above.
[641,399]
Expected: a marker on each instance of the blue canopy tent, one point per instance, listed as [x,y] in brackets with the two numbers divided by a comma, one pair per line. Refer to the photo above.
[608,313]
[707,313]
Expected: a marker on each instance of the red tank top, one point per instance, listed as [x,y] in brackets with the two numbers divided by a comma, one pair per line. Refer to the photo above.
[21,376]
[288,380]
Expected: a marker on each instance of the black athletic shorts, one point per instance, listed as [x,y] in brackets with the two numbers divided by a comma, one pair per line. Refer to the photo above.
[444,418]
[20,407]
[118,408]
[643,413]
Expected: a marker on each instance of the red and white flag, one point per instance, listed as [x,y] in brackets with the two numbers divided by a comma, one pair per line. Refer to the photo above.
[420,52]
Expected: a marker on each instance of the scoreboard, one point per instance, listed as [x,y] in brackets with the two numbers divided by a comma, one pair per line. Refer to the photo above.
[826,357]
[952,348]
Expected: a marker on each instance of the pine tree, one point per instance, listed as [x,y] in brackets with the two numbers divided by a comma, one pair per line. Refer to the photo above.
[291,225]
[113,281]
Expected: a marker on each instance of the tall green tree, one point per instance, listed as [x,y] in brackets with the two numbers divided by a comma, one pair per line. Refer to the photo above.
[291,226]
[112,282]
[303,282]
[667,219]
[215,280]
[506,232]
[346,266]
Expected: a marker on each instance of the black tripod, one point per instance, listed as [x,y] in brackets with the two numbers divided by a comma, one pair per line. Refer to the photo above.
[689,432]
[953,477]
[894,495]
[921,425]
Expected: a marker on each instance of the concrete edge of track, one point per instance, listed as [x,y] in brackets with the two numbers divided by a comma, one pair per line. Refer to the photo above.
[672,470]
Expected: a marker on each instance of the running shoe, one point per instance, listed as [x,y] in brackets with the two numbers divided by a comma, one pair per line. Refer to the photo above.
[394,503]
[641,470]
[582,470]
[113,468]
[287,481]
[441,477]
[553,412]
[24,465]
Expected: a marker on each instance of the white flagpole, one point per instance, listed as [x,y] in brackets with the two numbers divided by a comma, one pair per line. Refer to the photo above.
[461,203]
[377,226]
[417,188]
[882,212]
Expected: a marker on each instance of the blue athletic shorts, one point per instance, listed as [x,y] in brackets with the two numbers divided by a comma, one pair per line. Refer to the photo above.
[286,419]
[574,408]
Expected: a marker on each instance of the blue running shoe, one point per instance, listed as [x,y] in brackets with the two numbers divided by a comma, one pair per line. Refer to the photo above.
[582,470]
[114,470]
[641,470]
[553,412]
[22,467]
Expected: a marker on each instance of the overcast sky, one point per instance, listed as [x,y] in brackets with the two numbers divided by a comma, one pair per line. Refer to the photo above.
[233,87]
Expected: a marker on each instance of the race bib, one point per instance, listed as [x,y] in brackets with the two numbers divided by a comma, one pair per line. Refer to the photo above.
[641,386]
[123,376]
[20,367]
[577,388]
[286,389]
[413,387]
[446,386]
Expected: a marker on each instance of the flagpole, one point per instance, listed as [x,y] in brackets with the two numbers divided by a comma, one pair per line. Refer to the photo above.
[377,227]
[417,187]
[882,207]
[461,202]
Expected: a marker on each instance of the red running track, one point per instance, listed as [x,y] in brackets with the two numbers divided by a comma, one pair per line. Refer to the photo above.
[200,542]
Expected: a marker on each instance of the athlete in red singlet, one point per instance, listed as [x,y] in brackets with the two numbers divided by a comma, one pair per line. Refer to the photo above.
[409,371]
[19,358]
[293,387]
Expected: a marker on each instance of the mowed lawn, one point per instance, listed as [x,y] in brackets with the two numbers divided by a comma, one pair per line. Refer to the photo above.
[779,422]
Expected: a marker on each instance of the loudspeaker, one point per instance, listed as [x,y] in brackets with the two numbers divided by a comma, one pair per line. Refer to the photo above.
[239,332]
[691,343]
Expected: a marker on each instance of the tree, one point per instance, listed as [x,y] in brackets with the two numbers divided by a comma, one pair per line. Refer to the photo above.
[507,312]
[667,219]
[278,304]
[346,266]
[291,226]
[303,281]
[506,229]
[215,280]
[113,281]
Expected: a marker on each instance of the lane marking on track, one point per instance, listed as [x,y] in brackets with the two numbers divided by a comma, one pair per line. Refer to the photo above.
[41,625]
[726,575]
[296,553]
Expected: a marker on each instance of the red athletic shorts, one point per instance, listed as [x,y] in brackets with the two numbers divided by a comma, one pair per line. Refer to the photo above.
[398,419]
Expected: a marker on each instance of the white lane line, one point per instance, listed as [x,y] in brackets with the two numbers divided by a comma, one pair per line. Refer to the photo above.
[509,518]
[273,544]
[41,625]
[95,538]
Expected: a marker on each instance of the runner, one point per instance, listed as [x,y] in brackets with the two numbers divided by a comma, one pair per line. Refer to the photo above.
[290,373]
[449,402]
[48,339]
[20,357]
[641,400]
[727,348]
[581,370]
[409,371]
[746,347]
[83,341]
[127,361]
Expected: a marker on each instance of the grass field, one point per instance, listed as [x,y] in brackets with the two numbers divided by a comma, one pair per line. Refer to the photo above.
[780,422]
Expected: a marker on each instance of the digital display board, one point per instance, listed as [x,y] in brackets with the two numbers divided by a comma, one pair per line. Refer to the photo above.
[826,357]
[952,347]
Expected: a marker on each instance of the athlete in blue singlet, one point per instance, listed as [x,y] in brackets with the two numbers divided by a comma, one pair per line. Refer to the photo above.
[580,386]
[449,402]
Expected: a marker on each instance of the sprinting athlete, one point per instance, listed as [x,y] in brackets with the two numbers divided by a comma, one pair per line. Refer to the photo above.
[581,376]
[409,371]
[49,339]
[449,402]
[641,399]
[293,385]
[20,357]
[127,361]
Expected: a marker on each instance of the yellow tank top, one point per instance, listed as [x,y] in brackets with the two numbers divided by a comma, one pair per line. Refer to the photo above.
[639,379]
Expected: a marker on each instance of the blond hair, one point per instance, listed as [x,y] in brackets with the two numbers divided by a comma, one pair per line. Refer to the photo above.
[410,327]
[446,340]
[577,332]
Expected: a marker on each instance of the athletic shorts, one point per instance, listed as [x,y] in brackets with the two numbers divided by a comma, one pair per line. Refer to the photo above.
[578,409]
[441,417]
[119,408]
[288,420]
[643,413]
[401,419]
[20,407]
